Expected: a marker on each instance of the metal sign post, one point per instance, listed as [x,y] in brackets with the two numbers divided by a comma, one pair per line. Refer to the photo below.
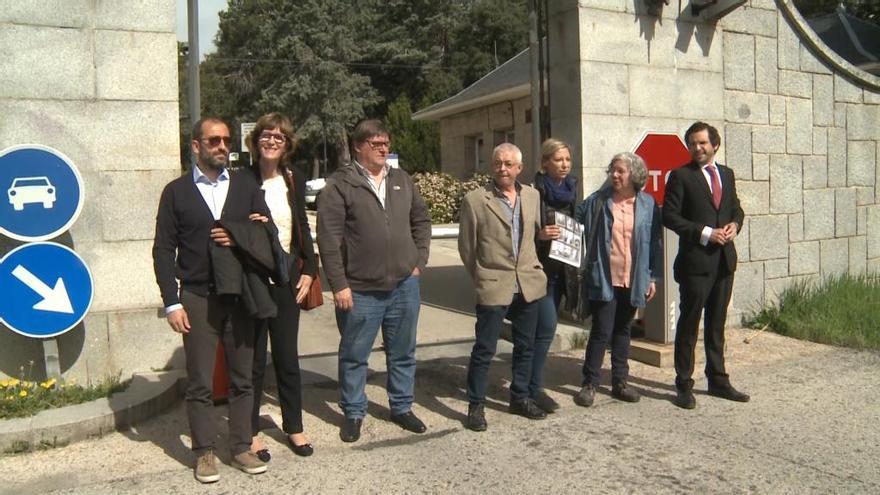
[662,153]
[47,288]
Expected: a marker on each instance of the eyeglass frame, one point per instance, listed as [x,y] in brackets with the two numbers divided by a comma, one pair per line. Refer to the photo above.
[376,145]
[509,164]
[276,138]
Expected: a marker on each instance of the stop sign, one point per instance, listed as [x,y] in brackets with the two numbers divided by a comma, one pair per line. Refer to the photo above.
[662,153]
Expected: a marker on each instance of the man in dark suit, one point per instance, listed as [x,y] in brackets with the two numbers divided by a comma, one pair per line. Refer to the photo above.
[702,207]
[189,211]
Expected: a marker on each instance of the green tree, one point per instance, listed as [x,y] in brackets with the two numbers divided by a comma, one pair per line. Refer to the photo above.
[328,63]
[295,57]
[417,143]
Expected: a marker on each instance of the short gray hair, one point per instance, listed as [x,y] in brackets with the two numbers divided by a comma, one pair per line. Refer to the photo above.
[638,172]
[508,147]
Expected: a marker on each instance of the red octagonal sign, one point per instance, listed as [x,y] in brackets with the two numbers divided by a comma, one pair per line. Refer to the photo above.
[662,153]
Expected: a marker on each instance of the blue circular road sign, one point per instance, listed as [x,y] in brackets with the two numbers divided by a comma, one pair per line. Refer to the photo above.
[46,289]
[42,192]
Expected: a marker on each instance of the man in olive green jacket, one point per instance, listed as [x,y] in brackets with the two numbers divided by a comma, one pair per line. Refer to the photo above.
[496,241]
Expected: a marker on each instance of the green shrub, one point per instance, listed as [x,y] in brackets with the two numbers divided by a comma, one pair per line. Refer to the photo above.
[841,310]
[443,193]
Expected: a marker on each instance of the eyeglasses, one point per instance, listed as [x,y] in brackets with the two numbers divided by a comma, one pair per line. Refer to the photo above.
[375,145]
[215,141]
[278,138]
[498,164]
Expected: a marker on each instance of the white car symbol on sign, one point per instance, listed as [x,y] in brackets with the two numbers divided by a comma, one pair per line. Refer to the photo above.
[26,190]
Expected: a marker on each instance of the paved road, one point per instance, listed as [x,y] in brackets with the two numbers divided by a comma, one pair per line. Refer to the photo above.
[812,427]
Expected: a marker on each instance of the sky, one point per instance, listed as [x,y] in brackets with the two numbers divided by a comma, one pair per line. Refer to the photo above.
[208,21]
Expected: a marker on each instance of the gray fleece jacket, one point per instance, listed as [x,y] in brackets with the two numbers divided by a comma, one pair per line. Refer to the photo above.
[364,246]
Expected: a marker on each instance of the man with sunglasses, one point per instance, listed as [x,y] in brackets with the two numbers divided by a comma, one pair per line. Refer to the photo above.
[191,209]
[374,231]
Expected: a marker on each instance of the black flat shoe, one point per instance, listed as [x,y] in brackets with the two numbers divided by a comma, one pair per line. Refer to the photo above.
[303,450]
[263,455]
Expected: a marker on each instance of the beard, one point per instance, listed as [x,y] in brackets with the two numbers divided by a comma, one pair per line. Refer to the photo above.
[213,161]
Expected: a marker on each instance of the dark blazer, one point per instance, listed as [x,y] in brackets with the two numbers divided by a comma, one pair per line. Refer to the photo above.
[244,270]
[687,208]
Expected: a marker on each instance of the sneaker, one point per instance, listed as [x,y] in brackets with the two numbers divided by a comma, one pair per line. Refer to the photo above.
[249,463]
[625,393]
[476,419]
[526,408]
[585,396]
[206,468]
[545,402]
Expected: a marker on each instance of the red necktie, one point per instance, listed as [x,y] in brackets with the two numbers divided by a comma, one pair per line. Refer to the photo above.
[716,185]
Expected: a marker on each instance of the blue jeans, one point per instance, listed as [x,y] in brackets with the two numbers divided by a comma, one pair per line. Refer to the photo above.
[397,312]
[523,315]
[548,309]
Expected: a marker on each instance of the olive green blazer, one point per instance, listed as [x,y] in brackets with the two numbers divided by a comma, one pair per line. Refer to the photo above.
[486,248]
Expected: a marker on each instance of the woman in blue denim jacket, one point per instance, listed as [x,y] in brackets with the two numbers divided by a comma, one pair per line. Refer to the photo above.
[621,269]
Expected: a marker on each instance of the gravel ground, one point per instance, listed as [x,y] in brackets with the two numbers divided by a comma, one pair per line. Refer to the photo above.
[811,427]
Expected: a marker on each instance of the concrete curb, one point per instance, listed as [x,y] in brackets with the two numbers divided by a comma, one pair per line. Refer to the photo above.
[146,396]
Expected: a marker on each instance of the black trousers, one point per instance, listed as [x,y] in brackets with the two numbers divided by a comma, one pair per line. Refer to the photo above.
[211,319]
[283,330]
[702,295]
[611,319]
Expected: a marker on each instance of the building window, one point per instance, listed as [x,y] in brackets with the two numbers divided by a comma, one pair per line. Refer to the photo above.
[503,136]
[473,151]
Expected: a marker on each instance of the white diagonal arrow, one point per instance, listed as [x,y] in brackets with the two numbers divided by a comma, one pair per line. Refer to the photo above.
[54,299]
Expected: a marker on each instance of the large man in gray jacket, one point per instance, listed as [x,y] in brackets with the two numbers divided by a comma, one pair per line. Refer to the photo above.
[374,231]
[496,240]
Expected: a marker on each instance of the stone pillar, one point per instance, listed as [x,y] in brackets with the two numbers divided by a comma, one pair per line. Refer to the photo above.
[98,82]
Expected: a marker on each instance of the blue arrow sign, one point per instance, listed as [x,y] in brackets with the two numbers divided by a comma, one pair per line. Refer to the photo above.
[47,289]
[41,192]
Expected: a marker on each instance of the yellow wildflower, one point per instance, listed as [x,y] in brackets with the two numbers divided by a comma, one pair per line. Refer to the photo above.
[10,397]
[23,393]
[48,383]
[13,382]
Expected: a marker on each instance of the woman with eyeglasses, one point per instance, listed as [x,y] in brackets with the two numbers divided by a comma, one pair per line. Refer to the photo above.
[558,190]
[621,266]
[272,144]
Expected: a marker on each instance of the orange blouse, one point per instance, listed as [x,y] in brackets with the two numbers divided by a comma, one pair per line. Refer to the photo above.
[623,213]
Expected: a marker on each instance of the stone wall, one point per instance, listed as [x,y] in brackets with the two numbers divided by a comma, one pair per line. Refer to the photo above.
[800,127]
[97,80]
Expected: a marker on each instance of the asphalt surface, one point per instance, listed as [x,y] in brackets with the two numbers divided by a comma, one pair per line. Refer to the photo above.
[811,427]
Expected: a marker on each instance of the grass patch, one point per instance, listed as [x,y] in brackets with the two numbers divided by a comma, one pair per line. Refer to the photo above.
[20,398]
[840,310]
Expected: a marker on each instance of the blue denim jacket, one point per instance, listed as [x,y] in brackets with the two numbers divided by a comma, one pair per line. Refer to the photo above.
[646,246]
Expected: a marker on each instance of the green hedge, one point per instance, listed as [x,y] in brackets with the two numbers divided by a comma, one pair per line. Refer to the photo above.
[443,193]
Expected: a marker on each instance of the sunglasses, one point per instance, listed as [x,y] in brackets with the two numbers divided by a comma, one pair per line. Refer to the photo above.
[215,141]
